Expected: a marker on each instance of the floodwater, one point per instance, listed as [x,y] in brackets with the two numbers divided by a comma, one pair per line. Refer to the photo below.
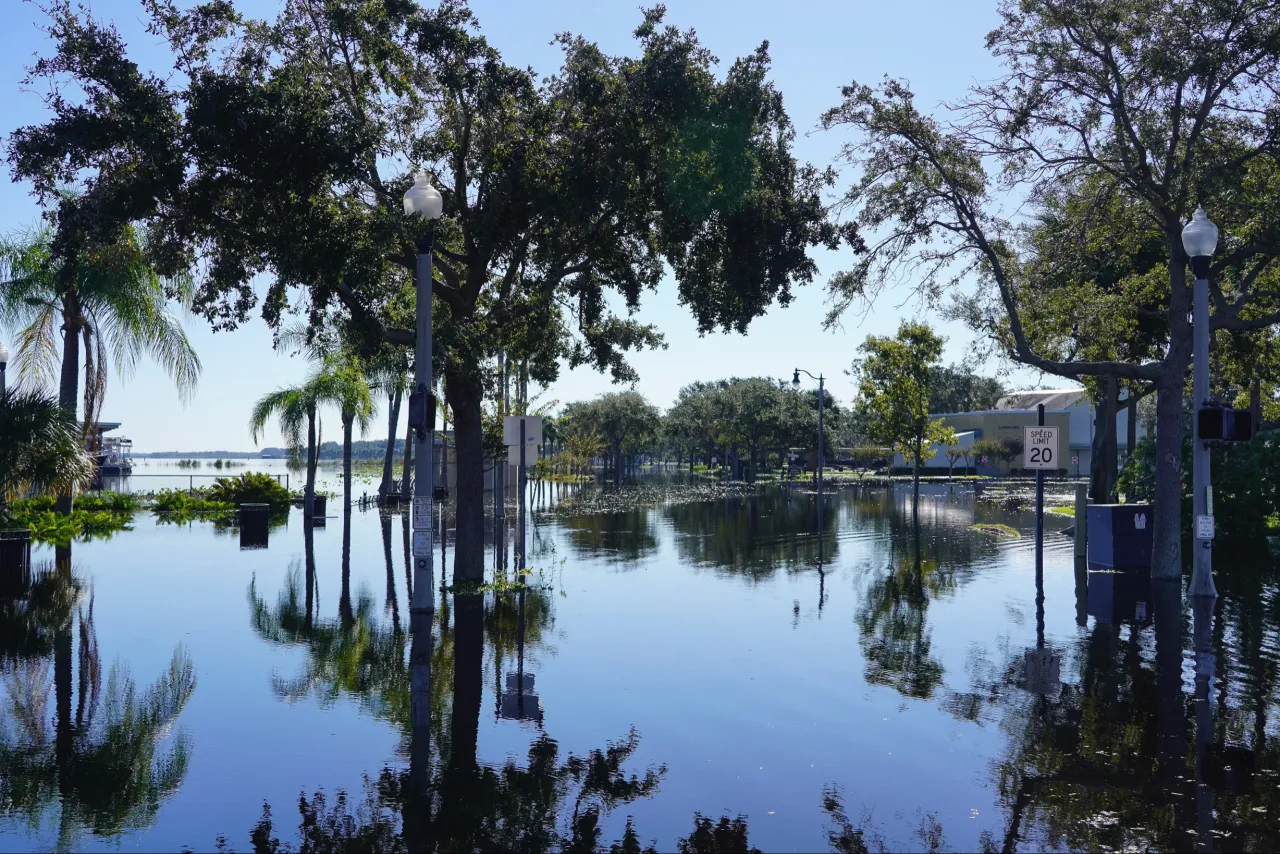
[703,673]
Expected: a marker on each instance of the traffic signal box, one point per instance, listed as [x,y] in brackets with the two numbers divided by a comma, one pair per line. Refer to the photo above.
[1224,424]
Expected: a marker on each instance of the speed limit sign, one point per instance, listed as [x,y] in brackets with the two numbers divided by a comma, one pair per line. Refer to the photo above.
[1040,446]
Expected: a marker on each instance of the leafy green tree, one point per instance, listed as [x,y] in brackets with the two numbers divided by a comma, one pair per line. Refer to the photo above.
[113,302]
[624,419]
[304,131]
[1166,106]
[41,447]
[893,384]
[957,388]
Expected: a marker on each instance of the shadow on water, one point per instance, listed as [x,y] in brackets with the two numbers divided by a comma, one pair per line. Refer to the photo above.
[108,756]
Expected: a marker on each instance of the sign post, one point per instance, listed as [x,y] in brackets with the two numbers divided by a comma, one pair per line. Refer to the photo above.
[1040,452]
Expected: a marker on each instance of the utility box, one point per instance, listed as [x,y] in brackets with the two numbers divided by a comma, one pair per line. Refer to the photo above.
[1120,535]
[15,563]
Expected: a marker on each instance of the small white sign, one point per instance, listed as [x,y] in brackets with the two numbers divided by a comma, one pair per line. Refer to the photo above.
[1040,448]
[532,429]
[422,512]
[1204,527]
[422,543]
[984,459]
[1074,459]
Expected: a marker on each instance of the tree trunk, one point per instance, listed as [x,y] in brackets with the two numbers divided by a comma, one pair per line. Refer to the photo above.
[915,484]
[407,474]
[1101,479]
[1131,425]
[464,395]
[69,382]
[1113,442]
[468,676]
[347,420]
[389,458]
[345,612]
[617,463]
[1255,402]
[309,490]
[1166,557]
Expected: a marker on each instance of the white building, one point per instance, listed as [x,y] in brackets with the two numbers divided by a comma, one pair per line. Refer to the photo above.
[1075,402]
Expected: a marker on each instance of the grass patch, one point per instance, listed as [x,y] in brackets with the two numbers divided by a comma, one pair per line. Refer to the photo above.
[1003,532]
[1064,511]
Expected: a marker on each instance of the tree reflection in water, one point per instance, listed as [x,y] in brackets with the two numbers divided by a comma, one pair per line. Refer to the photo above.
[112,756]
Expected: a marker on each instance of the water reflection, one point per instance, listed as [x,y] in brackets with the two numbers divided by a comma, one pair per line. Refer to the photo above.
[108,756]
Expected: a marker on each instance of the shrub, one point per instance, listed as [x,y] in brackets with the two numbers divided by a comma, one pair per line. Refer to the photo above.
[112,502]
[250,488]
[186,503]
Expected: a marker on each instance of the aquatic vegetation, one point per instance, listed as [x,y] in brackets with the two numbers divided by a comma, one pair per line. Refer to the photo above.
[648,495]
[1003,532]
[250,488]
[92,518]
[182,502]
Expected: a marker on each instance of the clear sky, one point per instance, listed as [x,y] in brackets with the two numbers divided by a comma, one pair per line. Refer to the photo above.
[816,48]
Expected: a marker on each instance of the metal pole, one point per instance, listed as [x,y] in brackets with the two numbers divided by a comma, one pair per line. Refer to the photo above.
[424,459]
[822,454]
[1202,566]
[1040,510]
[3,388]
[521,483]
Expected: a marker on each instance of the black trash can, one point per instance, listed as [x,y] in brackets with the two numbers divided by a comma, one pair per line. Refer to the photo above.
[15,563]
[1120,535]
[318,505]
[254,524]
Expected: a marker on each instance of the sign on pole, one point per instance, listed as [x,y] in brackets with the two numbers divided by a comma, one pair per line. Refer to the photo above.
[422,543]
[1040,448]
[532,430]
[1204,527]
[422,512]
[1075,460]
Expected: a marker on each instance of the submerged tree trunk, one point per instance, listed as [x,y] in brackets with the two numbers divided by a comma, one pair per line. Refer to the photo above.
[915,484]
[309,490]
[1166,556]
[464,395]
[69,381]
[389,458]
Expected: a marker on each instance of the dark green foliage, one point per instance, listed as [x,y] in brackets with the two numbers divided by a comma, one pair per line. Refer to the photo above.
[184,503]
[40,446]
[250,488]
[1246,487]
[956,388]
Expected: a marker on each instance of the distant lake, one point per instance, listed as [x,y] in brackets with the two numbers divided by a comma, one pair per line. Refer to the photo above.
[707,669]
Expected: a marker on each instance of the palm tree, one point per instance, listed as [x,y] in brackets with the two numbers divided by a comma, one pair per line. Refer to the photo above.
[389,374]
[41,447]
[113,302]
[347,387]
[296,406]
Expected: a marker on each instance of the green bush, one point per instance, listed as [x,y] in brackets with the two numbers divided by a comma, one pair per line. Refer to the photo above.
[186,503]
[49,527]
[250,488]
[112,502]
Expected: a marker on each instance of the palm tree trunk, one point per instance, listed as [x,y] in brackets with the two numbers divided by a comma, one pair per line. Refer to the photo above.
[348,418]
[69,382]
[309,490]
[464,395]
[64,736]
[388,459]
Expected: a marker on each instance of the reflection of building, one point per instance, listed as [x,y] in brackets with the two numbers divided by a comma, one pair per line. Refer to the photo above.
[111,453]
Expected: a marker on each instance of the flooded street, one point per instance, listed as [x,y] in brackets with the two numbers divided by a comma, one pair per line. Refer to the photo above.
[691,669]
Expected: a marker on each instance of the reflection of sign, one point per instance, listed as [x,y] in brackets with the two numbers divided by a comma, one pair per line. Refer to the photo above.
[422,512]
[519,701]
[1204,527]
[1040,447]
[530,455]
[1042,671]
[422,543]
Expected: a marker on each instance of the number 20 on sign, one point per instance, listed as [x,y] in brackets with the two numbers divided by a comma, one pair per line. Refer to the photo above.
[1040,448]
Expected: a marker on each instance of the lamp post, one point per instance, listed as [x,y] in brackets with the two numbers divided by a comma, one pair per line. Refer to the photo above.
[4,363]
[1199,239]
[795,382]
[424,201]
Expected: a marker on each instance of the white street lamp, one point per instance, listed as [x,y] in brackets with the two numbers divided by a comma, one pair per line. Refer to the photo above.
[822,453]
[424,201]
[1199,239]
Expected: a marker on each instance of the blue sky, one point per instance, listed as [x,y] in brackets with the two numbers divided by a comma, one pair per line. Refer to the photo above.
[816,48]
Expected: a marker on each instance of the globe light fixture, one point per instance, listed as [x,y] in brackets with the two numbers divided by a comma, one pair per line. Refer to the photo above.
[1200,236]
[422,199]
[795,378]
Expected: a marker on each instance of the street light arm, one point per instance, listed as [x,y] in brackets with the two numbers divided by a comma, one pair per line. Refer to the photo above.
[811,376]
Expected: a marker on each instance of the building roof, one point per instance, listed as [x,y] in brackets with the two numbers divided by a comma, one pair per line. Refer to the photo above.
[1059,399]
